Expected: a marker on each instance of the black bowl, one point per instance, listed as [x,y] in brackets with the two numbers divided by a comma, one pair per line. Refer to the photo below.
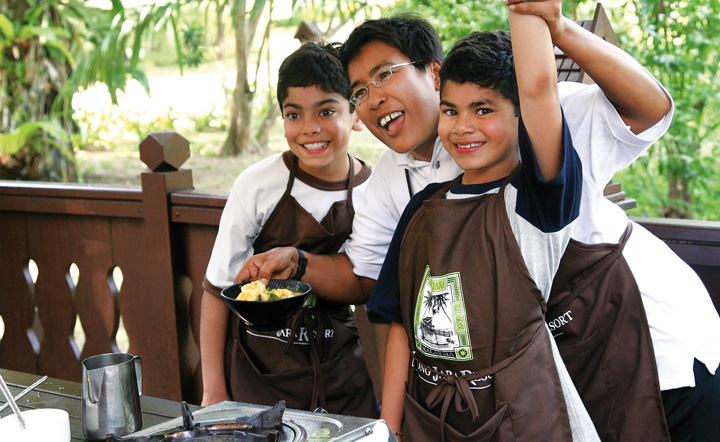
[267,315]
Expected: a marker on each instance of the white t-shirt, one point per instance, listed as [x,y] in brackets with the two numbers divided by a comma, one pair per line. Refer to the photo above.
[254,195]
[683,321]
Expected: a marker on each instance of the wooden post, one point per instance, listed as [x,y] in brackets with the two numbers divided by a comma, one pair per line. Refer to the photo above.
[154,331]
[19,345]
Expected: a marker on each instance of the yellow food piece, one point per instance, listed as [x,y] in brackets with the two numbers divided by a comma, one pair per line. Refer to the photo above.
[256,291]
[246,296]
[251,291]
[284,293]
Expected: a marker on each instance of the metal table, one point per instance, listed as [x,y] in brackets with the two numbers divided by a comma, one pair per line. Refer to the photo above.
[167,415]
[66,395]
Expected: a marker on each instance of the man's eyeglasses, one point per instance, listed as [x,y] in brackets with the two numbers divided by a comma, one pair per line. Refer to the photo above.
[381,77]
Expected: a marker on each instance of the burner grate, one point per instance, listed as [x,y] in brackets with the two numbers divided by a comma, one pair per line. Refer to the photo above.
[273,424]
[264,426]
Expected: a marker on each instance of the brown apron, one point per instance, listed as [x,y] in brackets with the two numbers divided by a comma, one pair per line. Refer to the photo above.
[482,367]
[596,314]
[316,360]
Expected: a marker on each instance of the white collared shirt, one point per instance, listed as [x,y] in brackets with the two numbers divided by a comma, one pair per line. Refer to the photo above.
[386,195]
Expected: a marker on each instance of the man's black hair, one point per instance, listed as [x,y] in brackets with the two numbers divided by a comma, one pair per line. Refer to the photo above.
[313,64]
[484,59]
[409,33]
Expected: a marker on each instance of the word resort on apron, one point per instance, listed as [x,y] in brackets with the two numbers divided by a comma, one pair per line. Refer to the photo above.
[596,314]
[316,361]
[482,366]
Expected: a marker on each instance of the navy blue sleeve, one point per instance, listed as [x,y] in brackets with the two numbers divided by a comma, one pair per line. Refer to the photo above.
[385,297]
[548,205]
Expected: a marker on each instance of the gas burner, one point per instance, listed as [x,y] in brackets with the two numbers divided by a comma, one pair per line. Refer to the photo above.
[235,421]
[263,426]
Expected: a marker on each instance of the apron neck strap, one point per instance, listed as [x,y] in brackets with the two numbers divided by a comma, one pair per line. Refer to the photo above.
[407,179]
[293,171]
[351,182]
[292,159]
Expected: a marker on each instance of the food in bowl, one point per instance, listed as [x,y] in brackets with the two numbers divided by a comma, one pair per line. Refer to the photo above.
[257,291]
[268,315]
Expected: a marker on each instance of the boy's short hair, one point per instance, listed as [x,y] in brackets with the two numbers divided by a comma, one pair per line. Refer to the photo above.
[315,63]
[484,59]
[409,33]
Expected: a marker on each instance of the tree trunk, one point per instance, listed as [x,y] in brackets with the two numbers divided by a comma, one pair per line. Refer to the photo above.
[680,198]
[238,139]
[239,119]
[239,133]
[219,47]
[262,134]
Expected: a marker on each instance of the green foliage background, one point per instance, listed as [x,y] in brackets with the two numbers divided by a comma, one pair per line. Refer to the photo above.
[66,46]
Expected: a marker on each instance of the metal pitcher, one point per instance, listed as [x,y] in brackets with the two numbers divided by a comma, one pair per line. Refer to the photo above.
[111,390]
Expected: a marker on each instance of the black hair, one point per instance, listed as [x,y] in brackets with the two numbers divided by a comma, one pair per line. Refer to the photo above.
[409,33]
[484,59]
[313,64]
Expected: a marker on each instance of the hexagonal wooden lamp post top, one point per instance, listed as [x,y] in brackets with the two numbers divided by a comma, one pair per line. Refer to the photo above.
[164,151]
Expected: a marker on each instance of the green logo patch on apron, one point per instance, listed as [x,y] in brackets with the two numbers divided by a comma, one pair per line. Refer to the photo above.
[441,326]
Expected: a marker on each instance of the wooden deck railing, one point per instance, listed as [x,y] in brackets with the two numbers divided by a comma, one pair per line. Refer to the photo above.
[160,236]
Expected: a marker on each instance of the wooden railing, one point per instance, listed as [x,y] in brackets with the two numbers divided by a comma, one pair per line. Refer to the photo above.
[160,236]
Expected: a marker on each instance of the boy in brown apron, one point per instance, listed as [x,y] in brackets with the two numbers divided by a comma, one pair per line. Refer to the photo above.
[302,198]
[471,263]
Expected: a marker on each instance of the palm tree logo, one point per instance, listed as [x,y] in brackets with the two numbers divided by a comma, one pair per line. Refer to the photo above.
[434,303]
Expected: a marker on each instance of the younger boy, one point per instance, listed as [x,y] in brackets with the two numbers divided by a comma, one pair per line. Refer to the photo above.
[470,266]
[304,198]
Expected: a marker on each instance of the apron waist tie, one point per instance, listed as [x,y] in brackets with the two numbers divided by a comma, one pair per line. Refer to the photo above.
[458,387]
[314,322]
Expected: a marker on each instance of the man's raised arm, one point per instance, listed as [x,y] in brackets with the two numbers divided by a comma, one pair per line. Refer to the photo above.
[634,93]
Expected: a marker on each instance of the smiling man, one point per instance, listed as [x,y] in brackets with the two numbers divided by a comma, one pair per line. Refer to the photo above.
[403,115]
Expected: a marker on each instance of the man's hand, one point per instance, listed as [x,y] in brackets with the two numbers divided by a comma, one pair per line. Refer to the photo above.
[549,10]
[638,98]
[277,263]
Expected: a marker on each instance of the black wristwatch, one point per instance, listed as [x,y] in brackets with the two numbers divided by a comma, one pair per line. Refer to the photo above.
[302,262]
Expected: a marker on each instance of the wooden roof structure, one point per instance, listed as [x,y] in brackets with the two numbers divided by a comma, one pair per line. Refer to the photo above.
[600,25]
[308,31]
